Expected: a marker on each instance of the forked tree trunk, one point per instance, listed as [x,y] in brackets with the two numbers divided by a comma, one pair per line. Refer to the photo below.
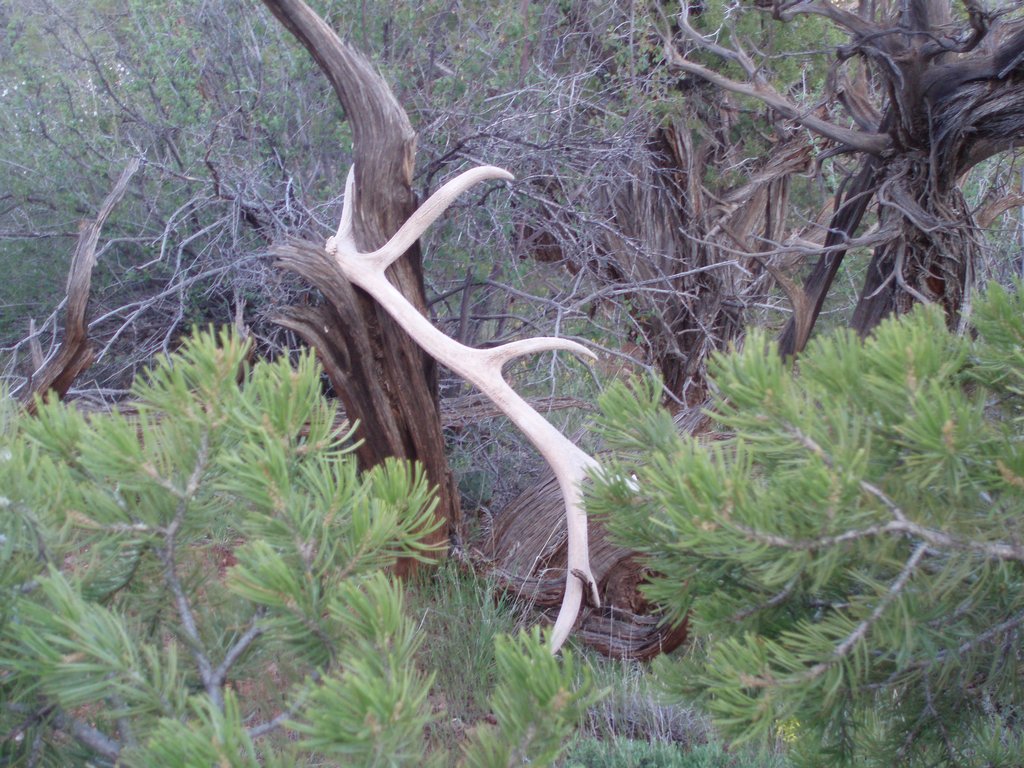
[929,257]
[382,377]
[931,260]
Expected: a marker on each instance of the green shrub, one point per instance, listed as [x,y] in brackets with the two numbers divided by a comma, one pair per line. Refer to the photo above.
[850,551]
[204,583]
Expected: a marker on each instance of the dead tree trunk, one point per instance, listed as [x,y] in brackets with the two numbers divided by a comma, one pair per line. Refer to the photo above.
[384,380]
[679,242]
[75,353]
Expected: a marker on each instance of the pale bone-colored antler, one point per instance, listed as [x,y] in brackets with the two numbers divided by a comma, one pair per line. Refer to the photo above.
[481,367]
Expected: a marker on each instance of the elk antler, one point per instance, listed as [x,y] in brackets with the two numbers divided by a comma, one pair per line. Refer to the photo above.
[481,367]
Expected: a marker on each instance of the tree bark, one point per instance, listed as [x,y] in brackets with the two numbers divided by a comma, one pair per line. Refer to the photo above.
[382,377]
[674,242]
[852,203]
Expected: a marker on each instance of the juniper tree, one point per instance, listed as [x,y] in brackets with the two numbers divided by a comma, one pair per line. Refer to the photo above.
[848,544]
[204,582]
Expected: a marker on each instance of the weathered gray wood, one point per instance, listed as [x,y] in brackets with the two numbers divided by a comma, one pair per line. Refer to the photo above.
[56,375]
[954,101]
[384,380]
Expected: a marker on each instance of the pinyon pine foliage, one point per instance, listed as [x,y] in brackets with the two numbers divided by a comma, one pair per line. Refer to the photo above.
[849,544]
[204,583]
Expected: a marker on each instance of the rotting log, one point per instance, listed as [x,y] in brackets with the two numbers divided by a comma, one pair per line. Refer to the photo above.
[525,552]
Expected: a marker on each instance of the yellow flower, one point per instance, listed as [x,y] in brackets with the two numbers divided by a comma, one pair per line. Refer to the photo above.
[788,730]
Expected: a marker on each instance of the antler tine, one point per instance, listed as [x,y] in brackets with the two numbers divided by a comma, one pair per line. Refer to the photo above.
[344,233]
[431,211]
[482,367]
[513,349]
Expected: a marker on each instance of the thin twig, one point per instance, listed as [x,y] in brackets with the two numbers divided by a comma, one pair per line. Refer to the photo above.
[235,652]
[280,719]
[181,601]
[776,599]
[996,550]
[91,737]
[810,444]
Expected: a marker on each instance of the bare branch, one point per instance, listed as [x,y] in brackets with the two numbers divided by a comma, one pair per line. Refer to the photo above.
[240,646]
[91,737]
[872,143]
[758,88]
[847,19]
[167,554]
[850,641]
[997,208]
[777,599]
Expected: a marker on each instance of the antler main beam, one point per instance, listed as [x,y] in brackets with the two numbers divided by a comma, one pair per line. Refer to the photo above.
[482,368]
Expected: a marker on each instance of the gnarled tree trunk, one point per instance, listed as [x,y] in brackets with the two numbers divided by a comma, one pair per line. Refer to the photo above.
[676,243]
[384,380]
[953,96]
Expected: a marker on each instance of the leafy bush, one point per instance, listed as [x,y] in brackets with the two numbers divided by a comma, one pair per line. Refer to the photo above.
[205,583]
[850,550]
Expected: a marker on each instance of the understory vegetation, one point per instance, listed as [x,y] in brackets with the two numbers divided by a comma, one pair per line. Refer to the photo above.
[202,581]
[184,585]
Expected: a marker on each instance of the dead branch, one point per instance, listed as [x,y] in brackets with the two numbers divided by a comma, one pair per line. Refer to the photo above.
[385,379]
[758,88]
[75,353]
